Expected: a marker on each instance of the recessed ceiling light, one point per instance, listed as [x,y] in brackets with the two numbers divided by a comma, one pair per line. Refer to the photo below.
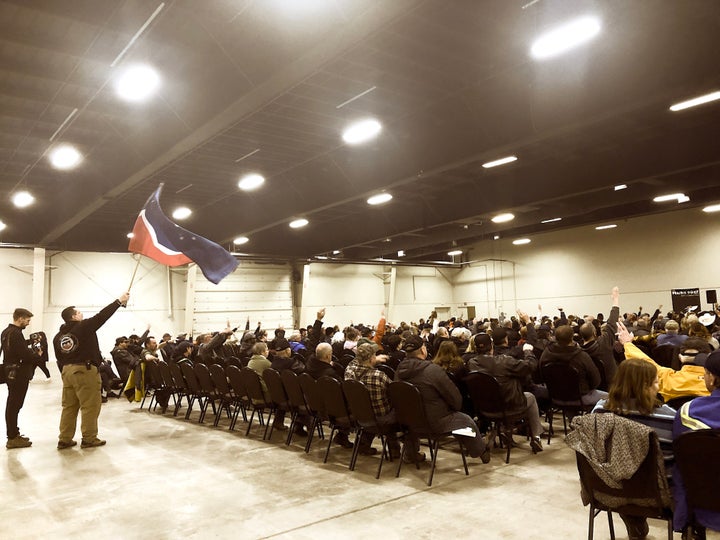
[695,101]
[321,257]
[565,37]
[336,252]
[679,197]
[22,199]
[251,181]
[620,186]
[2,226]
[298,223]
[182,213]
[455,252]
[712,208]
[137,83]
[65,157]
[502,218]
[362,131]
[130,235]
[380,198]
[521,241]
[240,240]
[605,227]
[401,253]
[551,220]
[496,237]
[501,161]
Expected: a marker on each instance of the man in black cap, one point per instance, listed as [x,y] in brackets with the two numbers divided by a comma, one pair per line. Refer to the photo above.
[441,397]
[78,355]
[18,364]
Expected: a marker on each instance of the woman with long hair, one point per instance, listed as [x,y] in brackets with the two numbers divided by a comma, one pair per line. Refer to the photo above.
[448,358]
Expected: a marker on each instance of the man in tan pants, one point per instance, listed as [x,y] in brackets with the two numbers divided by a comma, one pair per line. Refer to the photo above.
[78,355]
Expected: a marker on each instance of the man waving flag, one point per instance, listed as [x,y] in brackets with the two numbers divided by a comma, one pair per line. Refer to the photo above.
[162,240]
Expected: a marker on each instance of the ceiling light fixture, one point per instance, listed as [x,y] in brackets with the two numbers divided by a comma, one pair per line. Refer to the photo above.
[2,226]
[321,257]
[620,187]
[521,241]
[712,208]
[605,227]
[137,83]
[336,252]
[250,182]
[455,252]
[679,197]
[65,157]
[501,161]
[182,213]
[23,199]
[695,101]
[401,253]
[298,223]
[496,237]
[565,37]
[240,240]
[362,131]
[551,220]
[380,198]
[503,218]
[130,235]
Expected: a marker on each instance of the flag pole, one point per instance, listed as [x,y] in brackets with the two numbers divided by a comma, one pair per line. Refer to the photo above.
[134,273]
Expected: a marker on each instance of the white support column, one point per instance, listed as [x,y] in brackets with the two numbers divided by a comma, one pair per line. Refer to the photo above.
[190,298]
[38,289]
[391,294]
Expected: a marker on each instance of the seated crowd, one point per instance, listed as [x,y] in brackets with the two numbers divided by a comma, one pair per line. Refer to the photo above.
[662,370]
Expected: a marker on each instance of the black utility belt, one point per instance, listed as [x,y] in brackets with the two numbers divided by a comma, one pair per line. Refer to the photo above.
[86,364]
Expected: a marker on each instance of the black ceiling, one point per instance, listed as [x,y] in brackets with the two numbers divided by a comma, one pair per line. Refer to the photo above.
[256,86]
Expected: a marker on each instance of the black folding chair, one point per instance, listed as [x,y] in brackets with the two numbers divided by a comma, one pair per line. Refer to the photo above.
[181,387]
[315,407]
[563,384]
[361,409]
[410,413]
[697,455]
[251,381]
[278,396]
[223,392]
[488,401]
[207,389]
[194,390]
[241,395]
[641,487]
[336,408]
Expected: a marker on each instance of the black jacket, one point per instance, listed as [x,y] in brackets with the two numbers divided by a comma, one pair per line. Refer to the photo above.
[510,372]
[318,369]
[77,342]
[576,357]
[440,395]
[15,350]
[601,348]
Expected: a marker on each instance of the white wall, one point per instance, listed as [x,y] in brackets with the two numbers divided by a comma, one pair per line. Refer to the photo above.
[574,269]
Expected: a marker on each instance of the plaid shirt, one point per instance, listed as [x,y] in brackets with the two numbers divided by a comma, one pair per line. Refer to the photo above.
[375,381]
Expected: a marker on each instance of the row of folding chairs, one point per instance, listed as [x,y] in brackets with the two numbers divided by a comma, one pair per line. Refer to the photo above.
[342,406]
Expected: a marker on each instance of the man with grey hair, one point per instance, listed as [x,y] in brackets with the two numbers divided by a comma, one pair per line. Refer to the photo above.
[671,336]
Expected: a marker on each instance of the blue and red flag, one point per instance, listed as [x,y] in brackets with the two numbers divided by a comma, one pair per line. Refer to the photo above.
[162,240]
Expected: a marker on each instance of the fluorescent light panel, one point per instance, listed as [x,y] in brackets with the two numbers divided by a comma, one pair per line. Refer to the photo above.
[298,223]
[679,197]
[380,198]
[182,212]
[521,241]
[605,227]
[2,226]
[498,162]
[503,218]
[240,240]
[455,252]
[362,131]
[712,208]
[620,186]
[695,101]
[551,220]
[565,37]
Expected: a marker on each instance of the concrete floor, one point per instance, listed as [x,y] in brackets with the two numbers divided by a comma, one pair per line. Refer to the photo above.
[163,477]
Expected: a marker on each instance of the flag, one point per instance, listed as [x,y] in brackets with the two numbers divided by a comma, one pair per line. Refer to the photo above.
[162,240]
